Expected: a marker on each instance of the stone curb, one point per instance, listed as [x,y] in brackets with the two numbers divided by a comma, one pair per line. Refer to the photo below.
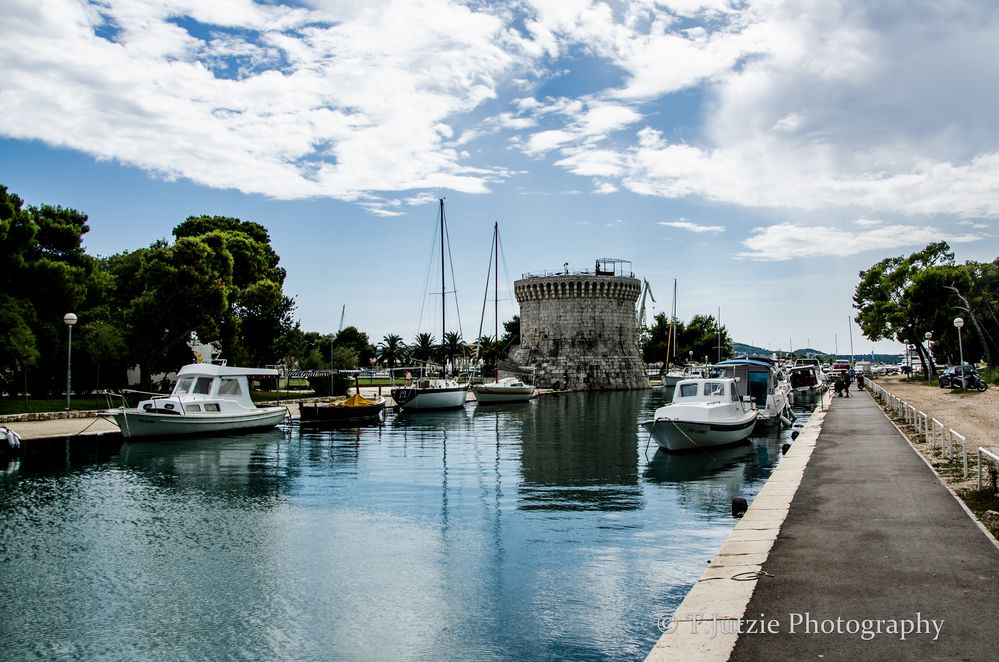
[50,415]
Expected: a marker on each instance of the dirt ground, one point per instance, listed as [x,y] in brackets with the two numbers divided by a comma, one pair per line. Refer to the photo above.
[973,414]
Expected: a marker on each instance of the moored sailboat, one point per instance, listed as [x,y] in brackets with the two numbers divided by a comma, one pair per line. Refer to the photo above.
[507,389]
[439,392]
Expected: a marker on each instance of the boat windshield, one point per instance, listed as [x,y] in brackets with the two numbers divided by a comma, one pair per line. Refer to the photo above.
[714,388]
[230,386]
[688,390]
[183,385]
[203,386]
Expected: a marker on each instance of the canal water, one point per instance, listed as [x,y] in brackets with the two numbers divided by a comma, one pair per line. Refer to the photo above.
[537,531]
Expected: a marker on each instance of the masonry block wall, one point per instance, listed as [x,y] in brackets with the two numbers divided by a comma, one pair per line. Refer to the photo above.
[582,326]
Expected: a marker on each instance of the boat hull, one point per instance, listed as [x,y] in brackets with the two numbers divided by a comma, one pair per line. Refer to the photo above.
[429,399]
[679,435]
[320,414]
[492,394]
[136,424]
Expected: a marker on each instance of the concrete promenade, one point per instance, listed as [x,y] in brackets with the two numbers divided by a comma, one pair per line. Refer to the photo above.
[872,534]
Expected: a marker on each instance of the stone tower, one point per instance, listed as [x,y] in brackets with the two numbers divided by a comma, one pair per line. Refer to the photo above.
[581,325]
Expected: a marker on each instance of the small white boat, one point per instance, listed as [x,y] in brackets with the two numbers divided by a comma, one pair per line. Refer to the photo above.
[508,389]
[209,398]
[705,413]
[430,394]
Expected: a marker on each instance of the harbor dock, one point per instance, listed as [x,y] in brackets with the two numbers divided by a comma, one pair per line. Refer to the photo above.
[875,559]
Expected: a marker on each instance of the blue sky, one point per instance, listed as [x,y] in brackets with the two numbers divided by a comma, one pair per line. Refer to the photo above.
[760,152]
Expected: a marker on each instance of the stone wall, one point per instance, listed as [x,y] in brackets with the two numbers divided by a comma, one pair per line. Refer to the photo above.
[583,327]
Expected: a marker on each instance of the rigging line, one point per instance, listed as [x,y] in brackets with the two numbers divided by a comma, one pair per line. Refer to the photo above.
[426,280]
[485,295]
[506,272]
[454,283]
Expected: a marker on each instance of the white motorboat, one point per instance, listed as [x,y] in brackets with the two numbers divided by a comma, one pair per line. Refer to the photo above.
[758,378]
[705,413]
[209,398]
[507,389]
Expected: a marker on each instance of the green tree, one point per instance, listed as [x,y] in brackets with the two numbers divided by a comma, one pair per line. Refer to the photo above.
[104,345]
[357,342]
[390,350]
[656,342]
[886,307]
[258,320]
[43,271]
[511,335]
[701,336]
[451,349]
[423,348]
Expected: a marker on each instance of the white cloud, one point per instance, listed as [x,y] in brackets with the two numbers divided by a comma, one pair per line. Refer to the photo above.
[787,241]
[762,172]
[801,104]
[288,102]
[684,224]
[808,105]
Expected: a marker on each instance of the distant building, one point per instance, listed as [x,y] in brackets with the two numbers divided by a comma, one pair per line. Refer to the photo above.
[577,329]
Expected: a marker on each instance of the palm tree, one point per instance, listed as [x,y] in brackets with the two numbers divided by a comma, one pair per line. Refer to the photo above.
[423,347]
[390,350]
[451,347]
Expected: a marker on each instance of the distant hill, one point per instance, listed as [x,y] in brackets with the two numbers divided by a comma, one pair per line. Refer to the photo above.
[742,348]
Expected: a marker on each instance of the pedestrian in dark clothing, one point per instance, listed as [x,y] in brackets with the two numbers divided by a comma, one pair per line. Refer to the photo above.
[846,384]
[839,385]
[860,382]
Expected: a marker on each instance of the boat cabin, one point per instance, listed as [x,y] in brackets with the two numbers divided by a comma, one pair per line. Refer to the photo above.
[706,390]
[208,388]
[754,378]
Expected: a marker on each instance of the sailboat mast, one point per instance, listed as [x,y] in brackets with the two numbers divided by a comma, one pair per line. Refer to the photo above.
[443,298]
[496,293]
[673,321]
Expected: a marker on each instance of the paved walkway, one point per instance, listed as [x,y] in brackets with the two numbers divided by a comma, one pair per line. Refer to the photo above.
[872,534]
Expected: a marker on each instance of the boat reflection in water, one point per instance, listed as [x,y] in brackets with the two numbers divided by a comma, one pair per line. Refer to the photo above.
[247,464]
[665,467]
[580,452]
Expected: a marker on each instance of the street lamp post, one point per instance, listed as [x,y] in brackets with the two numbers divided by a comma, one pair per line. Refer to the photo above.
[958,322]
[69,319]
[929,360]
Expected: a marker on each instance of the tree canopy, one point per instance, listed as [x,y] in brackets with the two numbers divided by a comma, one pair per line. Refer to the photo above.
[218,282]
[902,298]
[700,335]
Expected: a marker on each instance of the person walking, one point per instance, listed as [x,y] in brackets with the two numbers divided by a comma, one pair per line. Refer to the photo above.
[860,381]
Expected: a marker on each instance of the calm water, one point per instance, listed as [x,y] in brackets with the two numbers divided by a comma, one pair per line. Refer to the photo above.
[536,531]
